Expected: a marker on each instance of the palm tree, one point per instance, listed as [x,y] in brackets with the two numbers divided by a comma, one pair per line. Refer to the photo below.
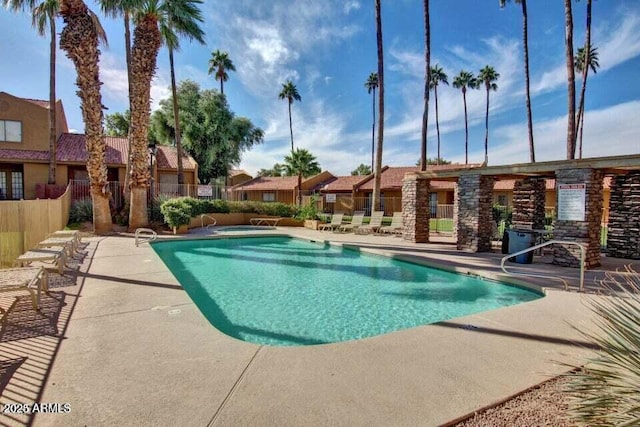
[427,82]
[290,93]
[437,76]
[463,81]
[591,58]
[147,40]
[302,163]
[43,15]
[571,81]
[181,19]
[585,71]
[488,76]
[79,39]
[372,84]
[114,9]
[219,64]
[525,47]
[375,197]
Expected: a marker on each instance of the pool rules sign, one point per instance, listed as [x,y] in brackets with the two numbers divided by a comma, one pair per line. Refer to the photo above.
[571,202]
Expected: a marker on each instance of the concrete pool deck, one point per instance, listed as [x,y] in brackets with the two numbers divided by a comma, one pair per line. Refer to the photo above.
[122,343]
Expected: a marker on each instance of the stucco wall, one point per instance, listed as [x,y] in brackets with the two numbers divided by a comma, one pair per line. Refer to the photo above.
[34,174]
[34,119]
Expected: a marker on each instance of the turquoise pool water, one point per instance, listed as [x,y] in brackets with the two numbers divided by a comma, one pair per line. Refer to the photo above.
[284,291]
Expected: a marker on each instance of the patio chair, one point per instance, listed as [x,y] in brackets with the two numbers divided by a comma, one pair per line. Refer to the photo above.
[374,224]
[356,221]
[67,243]
[55,256]
[395,227]
[336,221]
[24,279]
[67,233]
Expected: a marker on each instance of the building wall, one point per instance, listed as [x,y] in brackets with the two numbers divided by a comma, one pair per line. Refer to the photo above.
[35,123]
[238,179]
[34,173]
[256,196]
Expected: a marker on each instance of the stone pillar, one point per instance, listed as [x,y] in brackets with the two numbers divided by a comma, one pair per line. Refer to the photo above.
[623,238]
[474,199]
[586,232]
[455,211]
[415,209]
[528,203]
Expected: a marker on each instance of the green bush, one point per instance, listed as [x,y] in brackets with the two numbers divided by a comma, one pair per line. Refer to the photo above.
[261,208]
[309,210]
[81,211]
[155,214]
[176,212]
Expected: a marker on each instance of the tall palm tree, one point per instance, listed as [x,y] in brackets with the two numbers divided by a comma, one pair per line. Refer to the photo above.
[290,93]
[147,40]
[525,47]
[427,82]
[571,81]
[182,18]
[437,76]
[219,64]
[585,71]
[43,15]
[372,84]
[375,197]
[301,162]
[80,40]
[463,81]
[590,58]
[115,9]
[487,76]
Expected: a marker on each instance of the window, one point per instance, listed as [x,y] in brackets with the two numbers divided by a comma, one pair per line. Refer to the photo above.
[10,131]
[433,204]
[268,197]
[502,200]
[11,182]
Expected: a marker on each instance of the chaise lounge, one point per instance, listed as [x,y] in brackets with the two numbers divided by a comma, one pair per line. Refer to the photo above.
[30,279]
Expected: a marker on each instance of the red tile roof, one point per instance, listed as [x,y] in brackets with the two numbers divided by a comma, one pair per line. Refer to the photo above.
[269,183]
[72,149]
[342,183]
[24,155]
[391,178]
[236,172]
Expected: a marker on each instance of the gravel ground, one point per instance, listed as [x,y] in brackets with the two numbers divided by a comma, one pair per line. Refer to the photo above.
[545,405]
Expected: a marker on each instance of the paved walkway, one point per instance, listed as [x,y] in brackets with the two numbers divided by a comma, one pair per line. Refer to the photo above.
[122,344]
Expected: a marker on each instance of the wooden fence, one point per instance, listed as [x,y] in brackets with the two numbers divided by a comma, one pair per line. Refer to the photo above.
[24,223]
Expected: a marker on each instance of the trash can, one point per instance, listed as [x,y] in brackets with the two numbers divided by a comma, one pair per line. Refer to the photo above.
[520,240]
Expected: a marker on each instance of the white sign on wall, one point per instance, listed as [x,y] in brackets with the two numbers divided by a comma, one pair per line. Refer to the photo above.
[330,198]
[571,202]
[205,191]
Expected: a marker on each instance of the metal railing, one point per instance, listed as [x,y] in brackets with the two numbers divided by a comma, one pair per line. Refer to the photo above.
[148,234]
[542,245]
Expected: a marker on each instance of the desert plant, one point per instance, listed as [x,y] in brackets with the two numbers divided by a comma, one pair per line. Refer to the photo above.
[309,211]
[81,211]
[606,391]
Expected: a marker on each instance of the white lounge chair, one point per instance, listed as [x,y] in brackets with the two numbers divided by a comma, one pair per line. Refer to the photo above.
[396,225]
[55,256]
[30,279]
[374,224]
[336,221]
[356,221]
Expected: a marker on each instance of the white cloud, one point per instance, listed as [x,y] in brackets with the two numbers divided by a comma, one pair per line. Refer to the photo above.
[351,5]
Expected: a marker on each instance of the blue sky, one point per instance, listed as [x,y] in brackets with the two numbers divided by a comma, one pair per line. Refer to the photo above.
[328,49]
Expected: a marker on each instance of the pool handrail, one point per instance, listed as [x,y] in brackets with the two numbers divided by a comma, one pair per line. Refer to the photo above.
[542,245]
[149,235]
[202,217]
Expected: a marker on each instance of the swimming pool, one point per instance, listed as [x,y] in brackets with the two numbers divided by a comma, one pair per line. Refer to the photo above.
[284,291]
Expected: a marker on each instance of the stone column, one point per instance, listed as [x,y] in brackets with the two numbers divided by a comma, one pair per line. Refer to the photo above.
[415,209]
[528,203]
[474,199]
[455,211]
[586,232]
[623,238]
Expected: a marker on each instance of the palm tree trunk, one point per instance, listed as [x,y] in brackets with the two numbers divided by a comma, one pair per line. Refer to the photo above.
[585,72]
[373,126]
[290,125]
[571,82]
[79,40]
[375,199]
[466,127]
[435,93]
[53,131]
[486,130]
[525,44]
[176,120]
[221,86]
[127,50]
[427,79]
[299,188]
[144,53]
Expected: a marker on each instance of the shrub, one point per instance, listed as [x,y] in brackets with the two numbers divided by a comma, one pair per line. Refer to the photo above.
[309,210]
[81,211]
[605,391]
[155,213]
[176,212]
